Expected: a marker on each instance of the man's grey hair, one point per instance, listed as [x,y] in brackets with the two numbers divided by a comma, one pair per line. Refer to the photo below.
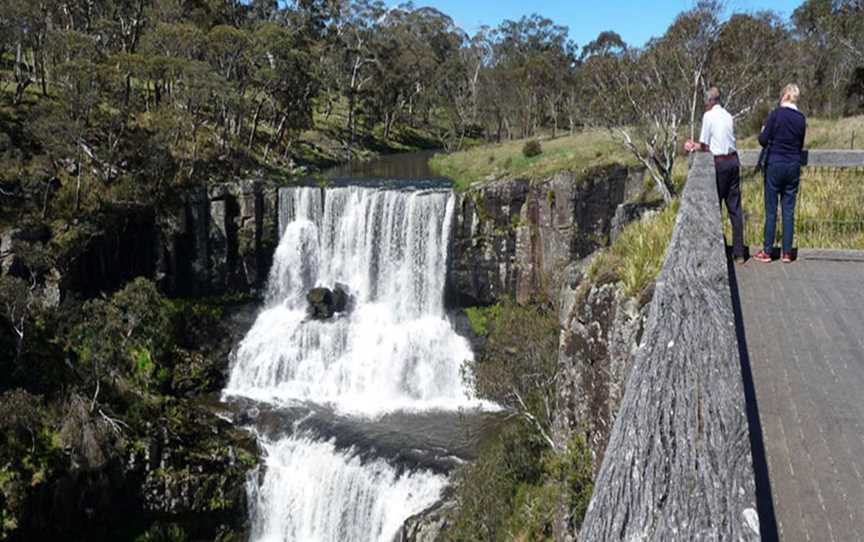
[712,95]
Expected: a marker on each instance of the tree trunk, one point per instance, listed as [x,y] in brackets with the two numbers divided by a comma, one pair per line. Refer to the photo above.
[22,79]
[389,118]
[276,137]
[351,119]
[255,119]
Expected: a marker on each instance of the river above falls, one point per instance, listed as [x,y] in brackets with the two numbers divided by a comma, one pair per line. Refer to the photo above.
[406,165]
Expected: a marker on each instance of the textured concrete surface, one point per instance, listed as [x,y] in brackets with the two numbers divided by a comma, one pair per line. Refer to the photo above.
[678,464]
[804,332]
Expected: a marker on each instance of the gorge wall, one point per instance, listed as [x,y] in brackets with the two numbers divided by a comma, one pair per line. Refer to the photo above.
[517,237]
[210,240]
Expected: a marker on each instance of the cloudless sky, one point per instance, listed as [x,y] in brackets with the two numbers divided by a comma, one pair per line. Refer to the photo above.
[636,21]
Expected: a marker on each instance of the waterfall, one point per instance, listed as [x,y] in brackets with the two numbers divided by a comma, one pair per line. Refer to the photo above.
[320,493]
[394,350]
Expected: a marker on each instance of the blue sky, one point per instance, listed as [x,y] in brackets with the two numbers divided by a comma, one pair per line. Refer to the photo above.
[635,21]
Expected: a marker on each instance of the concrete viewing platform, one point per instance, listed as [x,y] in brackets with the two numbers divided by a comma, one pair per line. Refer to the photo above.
[803,337]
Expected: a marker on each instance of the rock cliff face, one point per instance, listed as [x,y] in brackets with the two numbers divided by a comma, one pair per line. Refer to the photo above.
[219,239]
[516,237]
[210,241]
[601,328]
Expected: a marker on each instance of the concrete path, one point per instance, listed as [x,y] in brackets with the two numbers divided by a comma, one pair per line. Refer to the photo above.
[803,332]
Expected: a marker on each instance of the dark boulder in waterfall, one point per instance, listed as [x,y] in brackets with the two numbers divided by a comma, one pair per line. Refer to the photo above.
[341,298]
[324,302]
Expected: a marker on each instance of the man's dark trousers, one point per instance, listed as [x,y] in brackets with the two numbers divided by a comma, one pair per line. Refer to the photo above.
[729,190]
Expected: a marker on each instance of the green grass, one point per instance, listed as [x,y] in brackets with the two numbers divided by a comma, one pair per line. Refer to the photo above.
[829,212]
[637,255]
[580,152]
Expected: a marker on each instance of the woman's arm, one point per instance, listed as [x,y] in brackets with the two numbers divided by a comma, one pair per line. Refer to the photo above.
[804,133]
[767,133]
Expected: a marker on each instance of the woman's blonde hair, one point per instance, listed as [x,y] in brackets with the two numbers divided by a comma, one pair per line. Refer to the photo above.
[790,93]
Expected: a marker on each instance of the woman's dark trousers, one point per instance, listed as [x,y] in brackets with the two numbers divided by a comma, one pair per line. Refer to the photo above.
[729,190]
[781,182]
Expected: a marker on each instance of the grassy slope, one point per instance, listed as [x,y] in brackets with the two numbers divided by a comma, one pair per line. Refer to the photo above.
[579,152]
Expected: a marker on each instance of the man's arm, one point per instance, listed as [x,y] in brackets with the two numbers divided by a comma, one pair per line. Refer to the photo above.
[704,138]
[705,134]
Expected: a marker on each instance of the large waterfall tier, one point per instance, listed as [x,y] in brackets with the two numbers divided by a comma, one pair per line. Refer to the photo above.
[313,492]
[396,350]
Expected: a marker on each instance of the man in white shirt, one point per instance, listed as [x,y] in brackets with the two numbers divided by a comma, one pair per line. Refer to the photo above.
[718,138]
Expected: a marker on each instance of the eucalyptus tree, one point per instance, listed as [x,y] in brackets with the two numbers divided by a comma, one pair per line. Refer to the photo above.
[750,61]
[530,55]
[831,34]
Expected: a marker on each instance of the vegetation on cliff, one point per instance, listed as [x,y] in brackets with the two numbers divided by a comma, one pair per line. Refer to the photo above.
[97,414]
[637,254]
[522,479]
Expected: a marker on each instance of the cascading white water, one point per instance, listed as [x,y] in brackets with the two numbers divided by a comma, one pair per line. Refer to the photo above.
[395,350]
[312,491]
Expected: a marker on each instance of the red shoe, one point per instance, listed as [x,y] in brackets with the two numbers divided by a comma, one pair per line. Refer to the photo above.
[762,256]
[786,257]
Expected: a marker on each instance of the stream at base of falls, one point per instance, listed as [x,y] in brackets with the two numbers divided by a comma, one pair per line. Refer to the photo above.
[360,416]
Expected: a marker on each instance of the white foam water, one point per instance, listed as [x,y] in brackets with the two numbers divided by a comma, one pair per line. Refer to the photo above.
[394,350]
[322,494]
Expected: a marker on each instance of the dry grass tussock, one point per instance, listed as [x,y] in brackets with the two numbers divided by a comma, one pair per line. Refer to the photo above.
[637,255]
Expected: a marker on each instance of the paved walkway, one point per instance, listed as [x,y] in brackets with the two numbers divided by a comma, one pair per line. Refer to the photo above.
[803,327]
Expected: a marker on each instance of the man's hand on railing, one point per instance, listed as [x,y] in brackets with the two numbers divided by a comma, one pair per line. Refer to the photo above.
[692,146]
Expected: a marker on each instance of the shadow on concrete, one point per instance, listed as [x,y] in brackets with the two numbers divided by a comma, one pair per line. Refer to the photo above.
[764,499]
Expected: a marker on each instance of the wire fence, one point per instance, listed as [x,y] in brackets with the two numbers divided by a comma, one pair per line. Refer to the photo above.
[829,209]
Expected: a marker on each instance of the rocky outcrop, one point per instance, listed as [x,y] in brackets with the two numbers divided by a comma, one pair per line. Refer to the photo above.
[323,303]
[516,237]
[601,329]
[429,525]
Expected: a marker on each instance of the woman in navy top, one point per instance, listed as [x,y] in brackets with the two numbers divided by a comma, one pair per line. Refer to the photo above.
[783,134]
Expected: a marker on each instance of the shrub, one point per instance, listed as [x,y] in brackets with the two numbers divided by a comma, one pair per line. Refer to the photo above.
[520,482]
[532,148]
[130,334]
[479,318]
[519,359]
[517,486]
